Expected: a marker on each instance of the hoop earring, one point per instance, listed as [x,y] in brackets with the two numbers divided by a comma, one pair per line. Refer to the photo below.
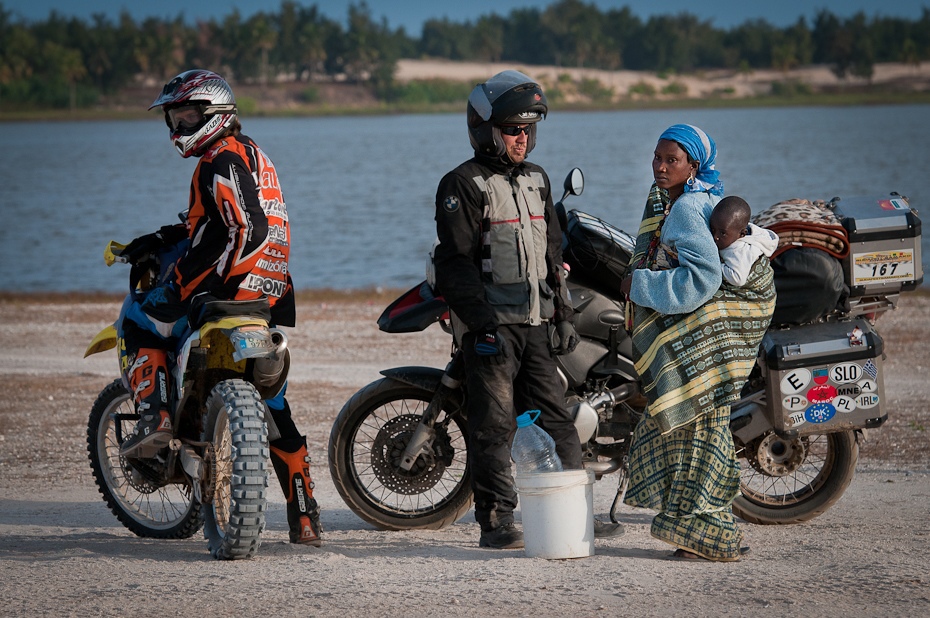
[691,180]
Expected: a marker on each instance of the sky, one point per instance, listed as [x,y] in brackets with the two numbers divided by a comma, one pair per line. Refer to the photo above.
[410,14]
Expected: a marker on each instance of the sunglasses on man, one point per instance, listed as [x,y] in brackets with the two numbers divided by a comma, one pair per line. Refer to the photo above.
[511,129]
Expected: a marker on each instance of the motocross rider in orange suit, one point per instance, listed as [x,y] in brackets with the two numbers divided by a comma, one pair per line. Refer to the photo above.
[235,246]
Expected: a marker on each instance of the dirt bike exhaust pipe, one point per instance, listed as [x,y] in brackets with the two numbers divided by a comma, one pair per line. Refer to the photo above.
[267,369]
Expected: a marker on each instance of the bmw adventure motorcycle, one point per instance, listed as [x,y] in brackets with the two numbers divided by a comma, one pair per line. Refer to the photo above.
[397,450]
[213,474]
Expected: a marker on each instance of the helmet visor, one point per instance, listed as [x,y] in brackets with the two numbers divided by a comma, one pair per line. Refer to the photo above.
[185,119]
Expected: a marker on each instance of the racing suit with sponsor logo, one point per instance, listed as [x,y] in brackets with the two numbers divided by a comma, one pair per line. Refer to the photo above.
[237,247]
[499,266]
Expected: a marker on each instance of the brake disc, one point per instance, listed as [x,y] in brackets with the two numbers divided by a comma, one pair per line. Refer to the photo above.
[141,475]
[387,451]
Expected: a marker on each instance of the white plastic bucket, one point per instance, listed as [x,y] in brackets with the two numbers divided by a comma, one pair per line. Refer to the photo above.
[558,513]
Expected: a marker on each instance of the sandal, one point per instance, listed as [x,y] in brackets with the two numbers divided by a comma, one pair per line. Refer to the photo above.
[684,555]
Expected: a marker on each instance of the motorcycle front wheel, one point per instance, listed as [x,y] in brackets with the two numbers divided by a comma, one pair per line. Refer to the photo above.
[365,447]
[131,489]
[789,481]
[234,425]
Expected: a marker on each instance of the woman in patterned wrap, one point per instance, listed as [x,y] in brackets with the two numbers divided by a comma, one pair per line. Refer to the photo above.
[694,344]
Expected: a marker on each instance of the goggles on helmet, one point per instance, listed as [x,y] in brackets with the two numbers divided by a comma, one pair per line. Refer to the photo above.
[187,119]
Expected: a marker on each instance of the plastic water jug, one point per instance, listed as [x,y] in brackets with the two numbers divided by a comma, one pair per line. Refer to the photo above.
[533,449]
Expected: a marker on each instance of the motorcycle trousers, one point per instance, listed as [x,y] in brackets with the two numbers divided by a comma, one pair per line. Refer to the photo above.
[526,380]
[292,466]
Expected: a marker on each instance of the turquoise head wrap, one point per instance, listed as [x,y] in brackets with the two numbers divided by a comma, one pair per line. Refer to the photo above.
[702,149]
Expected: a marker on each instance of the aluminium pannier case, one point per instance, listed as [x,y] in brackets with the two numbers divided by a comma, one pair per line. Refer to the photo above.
[884,244]
[824,377]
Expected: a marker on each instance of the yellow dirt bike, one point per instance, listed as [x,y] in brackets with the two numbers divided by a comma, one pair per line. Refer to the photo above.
[214,472]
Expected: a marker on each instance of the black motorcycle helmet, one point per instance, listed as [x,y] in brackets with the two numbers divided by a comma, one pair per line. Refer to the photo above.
[508,97]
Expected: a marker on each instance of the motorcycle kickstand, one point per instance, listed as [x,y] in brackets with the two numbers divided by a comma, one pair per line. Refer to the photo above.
[622,484]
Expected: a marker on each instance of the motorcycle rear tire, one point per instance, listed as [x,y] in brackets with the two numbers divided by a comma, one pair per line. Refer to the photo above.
[234,422]
[809,498]
[362,424]
[147,509]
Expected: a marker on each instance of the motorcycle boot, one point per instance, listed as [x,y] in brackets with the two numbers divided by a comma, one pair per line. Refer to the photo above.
[292,467]
[148,379]
[507,536]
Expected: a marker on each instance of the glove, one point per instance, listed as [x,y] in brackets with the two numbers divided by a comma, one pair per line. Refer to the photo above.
[490,347]
[567,337]
[150,243]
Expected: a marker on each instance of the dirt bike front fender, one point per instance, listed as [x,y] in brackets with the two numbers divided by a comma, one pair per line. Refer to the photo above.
[105,340]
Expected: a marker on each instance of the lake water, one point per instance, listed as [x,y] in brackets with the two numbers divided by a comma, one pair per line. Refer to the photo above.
[360,191]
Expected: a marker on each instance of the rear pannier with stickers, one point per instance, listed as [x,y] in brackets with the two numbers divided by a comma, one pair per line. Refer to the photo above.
[824,377]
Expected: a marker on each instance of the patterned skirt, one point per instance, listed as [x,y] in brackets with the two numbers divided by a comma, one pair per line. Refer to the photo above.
[691,476]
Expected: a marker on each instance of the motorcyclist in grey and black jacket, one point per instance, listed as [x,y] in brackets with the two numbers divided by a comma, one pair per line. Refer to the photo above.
[499,266]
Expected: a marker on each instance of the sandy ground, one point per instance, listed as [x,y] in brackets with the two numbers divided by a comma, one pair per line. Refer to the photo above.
[63,553]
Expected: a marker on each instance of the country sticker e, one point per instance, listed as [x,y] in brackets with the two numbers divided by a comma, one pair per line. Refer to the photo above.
[451,203]
[820,413]
[844,373]
[822,393]
[796,381]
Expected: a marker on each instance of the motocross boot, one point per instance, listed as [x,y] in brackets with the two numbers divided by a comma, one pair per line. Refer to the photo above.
[292,467]
[148,379]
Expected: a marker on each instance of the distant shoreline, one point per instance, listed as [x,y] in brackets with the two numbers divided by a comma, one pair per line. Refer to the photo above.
[568,87]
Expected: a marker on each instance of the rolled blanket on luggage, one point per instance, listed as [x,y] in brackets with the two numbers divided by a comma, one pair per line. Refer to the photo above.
[804,223]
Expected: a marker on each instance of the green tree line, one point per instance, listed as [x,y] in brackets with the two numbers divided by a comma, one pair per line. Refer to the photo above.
[66,61]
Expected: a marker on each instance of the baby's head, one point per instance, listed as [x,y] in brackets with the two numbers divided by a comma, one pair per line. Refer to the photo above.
[729,221]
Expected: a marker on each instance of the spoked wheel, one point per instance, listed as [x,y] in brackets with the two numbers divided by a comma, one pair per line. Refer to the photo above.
[787,481]
[234,424]
[365,448]
[135,490]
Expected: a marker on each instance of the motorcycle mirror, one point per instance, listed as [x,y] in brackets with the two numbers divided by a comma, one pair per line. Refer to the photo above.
[574,183]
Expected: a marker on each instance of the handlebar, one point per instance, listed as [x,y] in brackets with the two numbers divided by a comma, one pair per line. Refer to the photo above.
[111,254]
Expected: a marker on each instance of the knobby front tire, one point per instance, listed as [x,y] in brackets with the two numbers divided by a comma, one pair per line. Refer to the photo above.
[234,423]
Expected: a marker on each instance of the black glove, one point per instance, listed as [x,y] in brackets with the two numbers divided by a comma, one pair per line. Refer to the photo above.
[148,244]
[567,337]
[490,346]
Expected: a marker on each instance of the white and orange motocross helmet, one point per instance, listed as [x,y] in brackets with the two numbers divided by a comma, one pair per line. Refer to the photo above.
[199,106]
